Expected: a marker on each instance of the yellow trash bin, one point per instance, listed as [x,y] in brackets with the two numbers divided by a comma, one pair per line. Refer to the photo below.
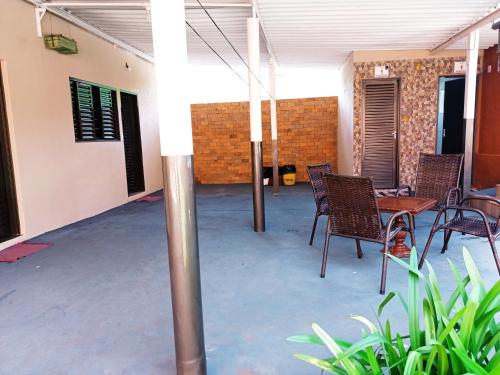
[289,179]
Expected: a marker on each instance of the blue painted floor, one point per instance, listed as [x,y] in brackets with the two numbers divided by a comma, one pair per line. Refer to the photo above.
[98,302]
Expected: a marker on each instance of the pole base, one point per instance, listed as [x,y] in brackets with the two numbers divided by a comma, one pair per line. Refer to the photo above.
[259,221]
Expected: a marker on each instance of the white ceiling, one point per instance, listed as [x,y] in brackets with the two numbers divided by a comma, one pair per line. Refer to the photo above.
[304,32]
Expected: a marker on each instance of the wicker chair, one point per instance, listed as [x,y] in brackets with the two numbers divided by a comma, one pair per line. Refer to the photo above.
[353,212]
[476,225]
[437,178]
[314,172]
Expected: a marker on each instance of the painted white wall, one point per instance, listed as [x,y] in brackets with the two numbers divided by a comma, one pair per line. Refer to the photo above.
[345,160]
[58,180]
[217,83]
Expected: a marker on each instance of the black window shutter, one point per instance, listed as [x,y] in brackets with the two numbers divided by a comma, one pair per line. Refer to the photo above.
[95,112]
[86,111]
[109,115]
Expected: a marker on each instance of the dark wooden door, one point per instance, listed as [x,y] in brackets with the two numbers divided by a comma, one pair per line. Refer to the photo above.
[132,143]
[9,218]
[453,141]
[380,132]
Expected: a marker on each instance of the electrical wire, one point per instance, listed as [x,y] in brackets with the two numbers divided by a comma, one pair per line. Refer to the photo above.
[234,48]
[215,52]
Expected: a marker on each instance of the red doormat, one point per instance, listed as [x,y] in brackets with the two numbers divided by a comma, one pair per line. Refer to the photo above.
[21,250]
[150,198]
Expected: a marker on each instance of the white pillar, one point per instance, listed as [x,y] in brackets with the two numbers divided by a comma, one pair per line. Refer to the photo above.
[274,123]
[253,36]
[174,116]
[254,87]
[470,106]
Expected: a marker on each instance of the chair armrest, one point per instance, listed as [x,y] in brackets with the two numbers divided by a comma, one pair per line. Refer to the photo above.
[460,209]
[403,187]
[481,198]
[390,222]
[487,199]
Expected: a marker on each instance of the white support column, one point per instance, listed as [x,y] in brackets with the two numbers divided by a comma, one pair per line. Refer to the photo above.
[470,107]
[174,116]
[274,123]
[253,36]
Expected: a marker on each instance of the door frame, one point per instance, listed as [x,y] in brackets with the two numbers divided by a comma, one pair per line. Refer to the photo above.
[454,75]
[397,112]
[11,187]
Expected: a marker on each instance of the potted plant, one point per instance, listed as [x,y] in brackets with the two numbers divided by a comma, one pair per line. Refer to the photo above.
[458,336]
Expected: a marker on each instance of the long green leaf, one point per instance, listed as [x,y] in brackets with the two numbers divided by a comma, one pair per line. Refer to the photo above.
[372,358]
[306,339]
[489,346]
[335,349]
[388,298]
[413,270]
[490,300]
[412,363]
[372,327]
[469,363]
[430,329]
[436,296]
[459,281]
[316,362]
[474,274]
[438,352]
[368,341]
[413,316]
[468,318]
[494,365]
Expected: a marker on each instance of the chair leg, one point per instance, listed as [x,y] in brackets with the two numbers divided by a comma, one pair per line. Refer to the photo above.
[426,248]
[384,268]
[413,220]
[412,233]
[446,240]
[314,229]
[359,251]
[445,234]
[495,255]
[325,252]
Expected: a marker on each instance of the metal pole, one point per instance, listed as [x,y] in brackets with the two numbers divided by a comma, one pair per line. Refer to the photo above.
[470,107]
[255,123]
[174,115]
[274,124]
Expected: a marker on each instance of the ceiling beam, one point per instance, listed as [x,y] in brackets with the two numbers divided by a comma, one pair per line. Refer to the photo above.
[138,4]
[94,30]
[489,17]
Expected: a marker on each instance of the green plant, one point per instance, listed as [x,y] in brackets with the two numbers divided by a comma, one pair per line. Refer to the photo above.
[459,336]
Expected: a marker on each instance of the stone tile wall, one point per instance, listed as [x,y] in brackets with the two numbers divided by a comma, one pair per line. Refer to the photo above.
[419,85]
[307,134]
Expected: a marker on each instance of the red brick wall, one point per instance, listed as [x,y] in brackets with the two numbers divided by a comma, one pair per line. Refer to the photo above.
[486,162]
[307,134]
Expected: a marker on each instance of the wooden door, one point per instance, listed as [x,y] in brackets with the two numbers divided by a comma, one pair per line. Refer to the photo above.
[380,132]
[9,218]
[132,143]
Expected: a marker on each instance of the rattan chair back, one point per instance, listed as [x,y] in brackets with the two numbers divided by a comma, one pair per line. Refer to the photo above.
[437,174]
[353,209]
[314,172]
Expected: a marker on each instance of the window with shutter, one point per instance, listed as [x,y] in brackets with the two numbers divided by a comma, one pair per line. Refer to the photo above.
[95,116]
[380,126]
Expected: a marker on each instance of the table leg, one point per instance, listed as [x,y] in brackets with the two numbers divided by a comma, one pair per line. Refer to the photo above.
[399,249]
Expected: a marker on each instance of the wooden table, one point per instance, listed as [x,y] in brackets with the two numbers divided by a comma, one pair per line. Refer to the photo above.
[414,205]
